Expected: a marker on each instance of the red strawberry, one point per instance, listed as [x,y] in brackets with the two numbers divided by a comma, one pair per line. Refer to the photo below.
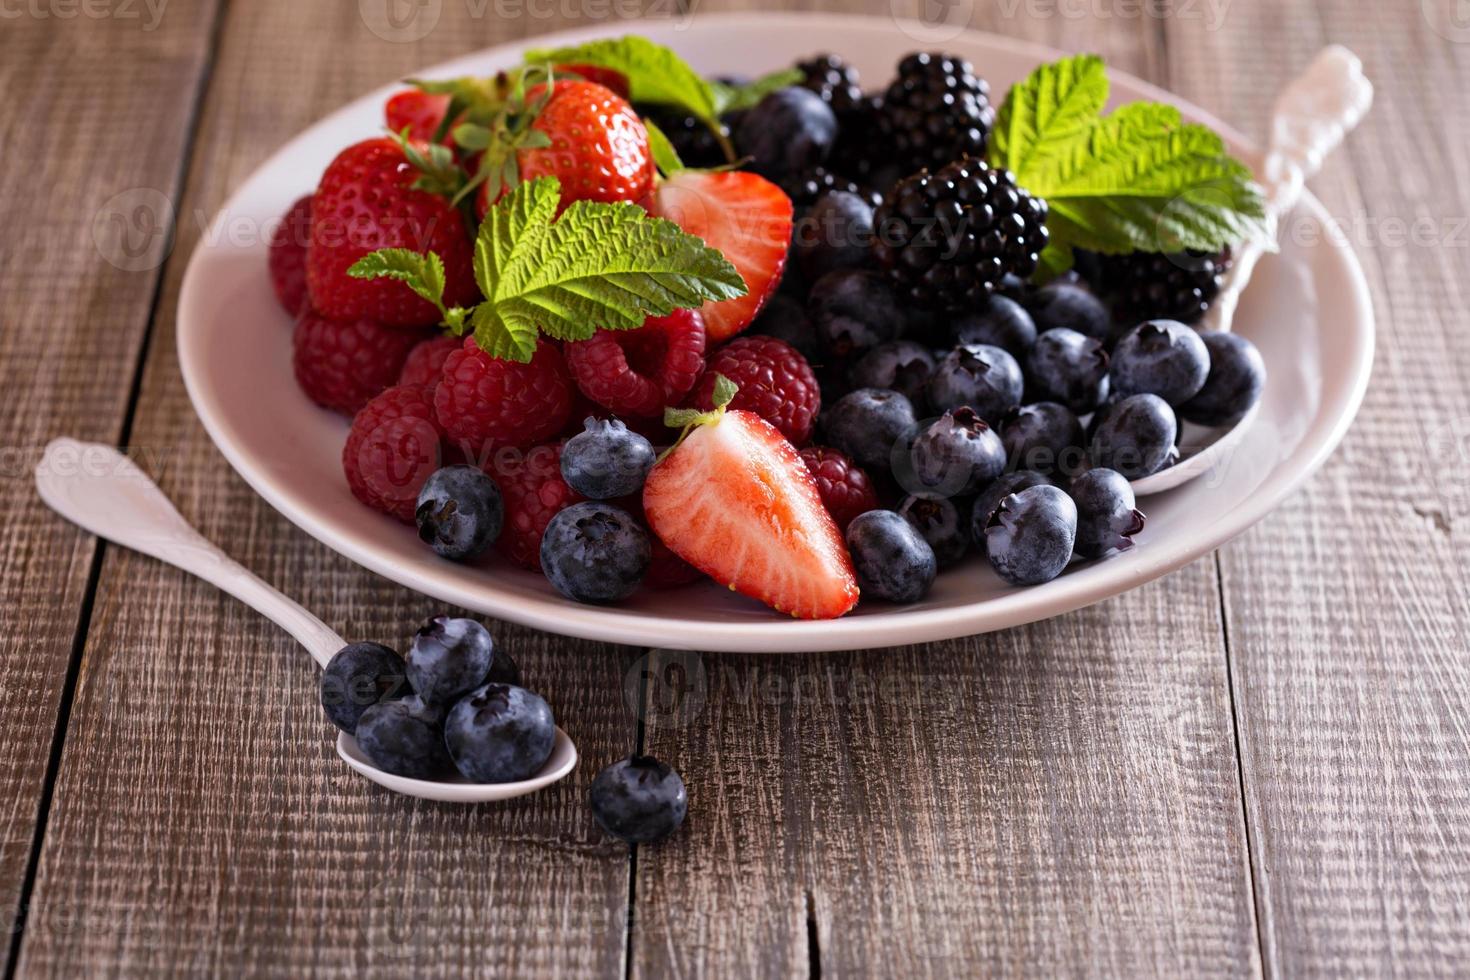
[638,372]
[746,217]
[736,501]
[534,493]
[366,202]
[599,147]
[420,112]
[485,403]
[342,364]
[287,256]
[609,78]
[393,447]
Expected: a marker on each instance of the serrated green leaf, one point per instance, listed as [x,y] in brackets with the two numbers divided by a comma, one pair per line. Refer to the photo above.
[1054,107]
[654,73]
[423,273]
[665,157]
[731,98]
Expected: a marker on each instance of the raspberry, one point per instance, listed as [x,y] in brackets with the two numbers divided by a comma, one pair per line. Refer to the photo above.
[342,364]
[287,256]
[844,486]
[485,403]
[394,445]
[534,493]
[425,364]
[775,382]
[638,372]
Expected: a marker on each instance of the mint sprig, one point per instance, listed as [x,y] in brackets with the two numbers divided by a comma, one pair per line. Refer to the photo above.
[1139,178]
[607,266]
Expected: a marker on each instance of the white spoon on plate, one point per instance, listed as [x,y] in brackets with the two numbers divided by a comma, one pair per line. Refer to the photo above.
[1311,117]
[101,490]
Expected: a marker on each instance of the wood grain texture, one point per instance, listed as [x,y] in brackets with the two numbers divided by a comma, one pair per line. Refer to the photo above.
[80,156]
[1055,800]
[1347,609]
[202,823]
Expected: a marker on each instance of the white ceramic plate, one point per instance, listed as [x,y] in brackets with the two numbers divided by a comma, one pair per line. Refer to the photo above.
[1307,310]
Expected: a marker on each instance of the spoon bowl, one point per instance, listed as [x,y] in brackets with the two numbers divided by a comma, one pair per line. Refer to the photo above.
[562,761]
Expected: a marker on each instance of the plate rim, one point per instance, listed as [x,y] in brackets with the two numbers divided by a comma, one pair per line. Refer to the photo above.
[897,628]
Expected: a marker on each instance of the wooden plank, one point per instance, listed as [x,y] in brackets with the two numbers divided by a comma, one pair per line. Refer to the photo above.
[88,169]
[1347,609]
[202,823]
[1055,800]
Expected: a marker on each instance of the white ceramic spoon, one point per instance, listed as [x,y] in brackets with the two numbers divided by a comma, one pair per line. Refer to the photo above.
[1311,117]
[101,490]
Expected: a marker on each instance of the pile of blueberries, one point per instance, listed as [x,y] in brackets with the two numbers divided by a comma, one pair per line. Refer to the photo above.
[455,705]
[1039,415]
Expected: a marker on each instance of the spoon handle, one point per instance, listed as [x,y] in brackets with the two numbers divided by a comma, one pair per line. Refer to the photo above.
[101,490]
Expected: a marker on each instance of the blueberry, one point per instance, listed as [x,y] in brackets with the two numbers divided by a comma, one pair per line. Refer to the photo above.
[955,456]
[1003,323]
[1044,436]
[1106,518]
[499,734]
[989,499]
[1134,436]
[784,317]
[449,657]
[788,131]
[890,556]
[980,376]
[1237,378]
[868,423]
[595,552]
[1068,367]
[1161,358]
[837,233]
[605,460]
[901,365]
[853,310]
[405,737]
[359,676]
[1065,304]
[459,512]
[945,524]
[1030,536]
[639,800]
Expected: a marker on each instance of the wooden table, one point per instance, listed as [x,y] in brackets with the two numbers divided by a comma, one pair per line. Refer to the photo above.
[1260,764]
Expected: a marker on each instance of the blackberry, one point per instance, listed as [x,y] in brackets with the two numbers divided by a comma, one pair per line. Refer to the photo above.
[691,139]
[936,111]
[1153,285]
[805,187]
[949,238]
[833,79]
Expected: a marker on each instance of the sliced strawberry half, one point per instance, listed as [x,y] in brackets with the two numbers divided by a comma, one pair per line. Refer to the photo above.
[747,218]
[735,501]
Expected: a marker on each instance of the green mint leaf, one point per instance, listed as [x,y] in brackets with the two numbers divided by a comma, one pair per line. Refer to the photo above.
[1054,107]
[729,98]
[725,391]
[421,272]
[664,155]
[654,72]
[606,266]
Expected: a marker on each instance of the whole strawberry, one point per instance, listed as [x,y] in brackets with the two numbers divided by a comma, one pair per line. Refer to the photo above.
[341,364]
[366,201]
[394,446]
[287,256]
[486,403]
[775,382]
[419,112]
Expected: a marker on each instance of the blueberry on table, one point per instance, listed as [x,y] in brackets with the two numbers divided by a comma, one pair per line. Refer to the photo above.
[786,132]
[868,423]
[459,512]
[594,552]
[1160,357]
[1134,436]
[359,676]
[1106,518]
[1067,305]
[1044,436]
[899,365]
[853,311]
[954,457]
[500,734]
[606,460]
[405,737]
[1237,378]
[988,499]
[980,376]
[945,524]
[639,800]
[449,657]
[1030,536]
[1067,367]
[837,233]
[1002,323]
[890,556]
